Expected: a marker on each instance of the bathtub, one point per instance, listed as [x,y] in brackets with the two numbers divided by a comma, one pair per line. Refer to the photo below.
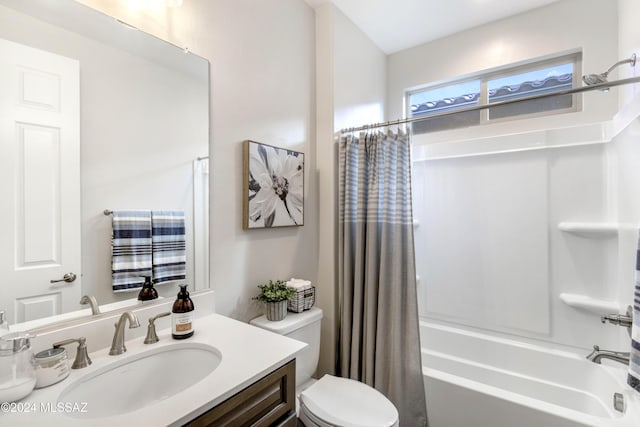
[478,380]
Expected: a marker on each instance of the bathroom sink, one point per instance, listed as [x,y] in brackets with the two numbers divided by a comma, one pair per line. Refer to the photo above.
[131,383]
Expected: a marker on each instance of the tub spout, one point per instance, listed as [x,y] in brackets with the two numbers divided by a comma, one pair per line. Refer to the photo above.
[597,355]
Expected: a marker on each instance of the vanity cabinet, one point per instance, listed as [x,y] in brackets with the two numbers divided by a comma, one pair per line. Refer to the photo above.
[270,401]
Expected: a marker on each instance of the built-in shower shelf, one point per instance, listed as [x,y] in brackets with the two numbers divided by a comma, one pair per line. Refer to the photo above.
[590,229]
[594,305]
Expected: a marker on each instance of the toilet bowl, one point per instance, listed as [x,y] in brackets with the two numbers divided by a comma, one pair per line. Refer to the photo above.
[330,401]
[334,401]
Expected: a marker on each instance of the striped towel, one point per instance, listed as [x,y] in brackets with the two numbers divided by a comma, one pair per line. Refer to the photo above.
[169,254]
[130,249]
[633,379]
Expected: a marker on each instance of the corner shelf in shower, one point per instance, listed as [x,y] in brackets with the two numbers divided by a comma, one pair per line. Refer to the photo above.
[594,305]
[590,229]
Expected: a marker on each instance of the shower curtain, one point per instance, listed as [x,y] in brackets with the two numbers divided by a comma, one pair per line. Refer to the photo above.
[379,341]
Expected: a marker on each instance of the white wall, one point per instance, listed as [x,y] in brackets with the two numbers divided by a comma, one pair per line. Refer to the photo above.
[624,154]
[489,251]
[559,27]
[326,163]
[628,43]
[626,151]
[359,71]
[128,131]
[350,88]
[262,77]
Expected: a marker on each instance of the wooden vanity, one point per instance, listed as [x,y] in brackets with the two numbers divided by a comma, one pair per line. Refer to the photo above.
[270,401]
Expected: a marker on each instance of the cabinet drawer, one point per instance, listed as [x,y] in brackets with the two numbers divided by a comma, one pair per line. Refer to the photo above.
[270,401]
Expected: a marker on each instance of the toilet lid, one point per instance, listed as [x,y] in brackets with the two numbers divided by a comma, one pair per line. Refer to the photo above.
[348,403]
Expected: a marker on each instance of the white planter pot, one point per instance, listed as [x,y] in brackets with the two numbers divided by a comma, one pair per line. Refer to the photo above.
[275,310]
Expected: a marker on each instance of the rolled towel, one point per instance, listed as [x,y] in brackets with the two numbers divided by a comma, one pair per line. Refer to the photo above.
[299,283]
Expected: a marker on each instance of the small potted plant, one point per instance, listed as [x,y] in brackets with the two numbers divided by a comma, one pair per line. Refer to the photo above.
[275,296]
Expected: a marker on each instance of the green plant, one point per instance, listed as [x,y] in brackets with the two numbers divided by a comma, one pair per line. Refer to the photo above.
[275,291]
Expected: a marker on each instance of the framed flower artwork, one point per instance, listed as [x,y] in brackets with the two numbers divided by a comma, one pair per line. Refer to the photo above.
[273,186]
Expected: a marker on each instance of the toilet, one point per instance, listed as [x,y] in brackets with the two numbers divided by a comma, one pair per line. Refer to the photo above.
[330,401]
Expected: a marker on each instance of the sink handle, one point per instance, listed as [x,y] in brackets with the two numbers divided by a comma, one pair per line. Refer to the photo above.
[82,357]
[152,337]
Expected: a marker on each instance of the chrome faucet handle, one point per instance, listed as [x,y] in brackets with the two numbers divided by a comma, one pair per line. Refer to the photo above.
[591,356]
[117,345]
[152,337]
[91,300]
[624,320]
[82,359]
[617,319]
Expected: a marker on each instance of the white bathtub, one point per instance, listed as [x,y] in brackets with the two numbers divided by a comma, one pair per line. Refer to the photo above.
[477,380]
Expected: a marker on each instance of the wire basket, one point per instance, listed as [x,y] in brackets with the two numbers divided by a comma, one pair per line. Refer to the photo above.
[303,300]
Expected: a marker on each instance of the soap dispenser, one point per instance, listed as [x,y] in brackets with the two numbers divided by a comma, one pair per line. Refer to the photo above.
[182,315]
[148,292]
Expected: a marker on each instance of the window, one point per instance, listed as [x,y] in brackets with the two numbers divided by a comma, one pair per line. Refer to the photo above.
[446,98]
[497,86]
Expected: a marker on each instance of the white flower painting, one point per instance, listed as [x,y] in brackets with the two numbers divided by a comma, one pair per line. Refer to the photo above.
[273,187]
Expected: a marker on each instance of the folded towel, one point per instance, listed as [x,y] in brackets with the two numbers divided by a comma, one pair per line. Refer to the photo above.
[633,379]
[168,246]
[299,284]
[130,249]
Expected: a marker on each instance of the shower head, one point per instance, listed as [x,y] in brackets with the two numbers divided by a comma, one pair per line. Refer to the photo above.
[594,79]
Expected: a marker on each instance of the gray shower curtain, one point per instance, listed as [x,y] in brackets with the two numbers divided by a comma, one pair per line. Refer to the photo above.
[378,340]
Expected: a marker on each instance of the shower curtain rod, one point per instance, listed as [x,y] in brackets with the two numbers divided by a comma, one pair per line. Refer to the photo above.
[602,86]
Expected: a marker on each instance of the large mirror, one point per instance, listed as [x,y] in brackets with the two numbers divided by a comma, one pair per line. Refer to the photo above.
[95,116]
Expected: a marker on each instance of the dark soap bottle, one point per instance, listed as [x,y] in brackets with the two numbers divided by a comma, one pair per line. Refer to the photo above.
[182,315]
[148,292]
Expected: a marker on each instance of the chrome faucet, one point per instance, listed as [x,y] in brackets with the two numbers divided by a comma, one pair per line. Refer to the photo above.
[596,355]
[117,345]
[152,336]
[82,359]
[618,319]
[91,300]
[624,320]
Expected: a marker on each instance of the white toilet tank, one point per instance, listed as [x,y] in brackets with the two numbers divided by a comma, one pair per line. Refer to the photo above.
[303,327]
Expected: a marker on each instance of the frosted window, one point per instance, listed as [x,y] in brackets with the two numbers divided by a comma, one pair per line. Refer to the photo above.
[496,86]
[447,98]
[531,83]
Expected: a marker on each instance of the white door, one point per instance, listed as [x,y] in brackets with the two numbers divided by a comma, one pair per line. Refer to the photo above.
[39,182]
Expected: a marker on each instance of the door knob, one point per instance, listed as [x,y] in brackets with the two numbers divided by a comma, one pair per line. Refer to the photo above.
[69,277]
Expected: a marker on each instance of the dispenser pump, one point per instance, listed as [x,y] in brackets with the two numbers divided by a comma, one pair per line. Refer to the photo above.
[182,315]
[148,292]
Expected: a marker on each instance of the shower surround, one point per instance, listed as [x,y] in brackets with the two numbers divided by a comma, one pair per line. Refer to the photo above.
[522,242]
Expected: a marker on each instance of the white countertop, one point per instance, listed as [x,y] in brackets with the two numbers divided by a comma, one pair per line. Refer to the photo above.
[248,353]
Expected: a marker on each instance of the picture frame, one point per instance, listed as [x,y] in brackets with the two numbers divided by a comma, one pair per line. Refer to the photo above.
[273,186]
